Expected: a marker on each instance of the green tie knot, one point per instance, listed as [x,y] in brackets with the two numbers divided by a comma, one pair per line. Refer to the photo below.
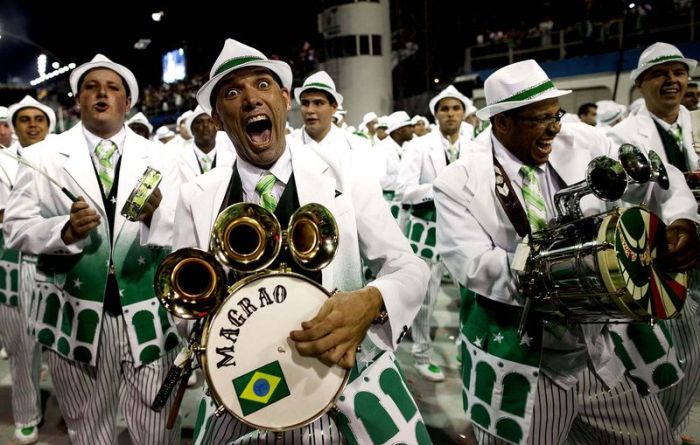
[105,151]
[264,188]
[206,163]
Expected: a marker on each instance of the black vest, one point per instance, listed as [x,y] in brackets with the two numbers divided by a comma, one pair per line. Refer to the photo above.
[288,203]
[112,303]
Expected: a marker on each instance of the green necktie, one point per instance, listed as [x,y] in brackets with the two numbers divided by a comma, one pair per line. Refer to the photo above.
[206,163]
[534,201]
[453,152]
[264,188]
[105,152]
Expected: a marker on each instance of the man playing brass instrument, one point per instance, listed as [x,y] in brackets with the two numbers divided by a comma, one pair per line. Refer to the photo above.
[555,382]
[248,96]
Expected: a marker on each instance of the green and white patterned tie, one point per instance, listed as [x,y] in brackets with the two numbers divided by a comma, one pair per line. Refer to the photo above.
[206,163]
[453,152]
[264,188]
[677,133]
[105,152]
[534,201]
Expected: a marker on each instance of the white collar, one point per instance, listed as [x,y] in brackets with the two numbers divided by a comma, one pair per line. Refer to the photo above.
[93,139]
[510,163]
[200,154]
[251,174]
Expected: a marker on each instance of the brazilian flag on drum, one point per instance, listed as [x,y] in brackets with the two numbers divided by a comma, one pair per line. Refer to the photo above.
[261,387]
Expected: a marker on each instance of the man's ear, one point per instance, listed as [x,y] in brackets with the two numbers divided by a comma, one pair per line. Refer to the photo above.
[502,123]
[128,103]
[217,120]
[287,100]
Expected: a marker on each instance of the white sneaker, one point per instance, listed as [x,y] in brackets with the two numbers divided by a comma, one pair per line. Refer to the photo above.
[430,371]
[3,354]
[27,434]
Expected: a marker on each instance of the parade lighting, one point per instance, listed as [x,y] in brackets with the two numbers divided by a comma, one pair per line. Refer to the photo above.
[41,64]
[157,16]
[57,72]
[55,65]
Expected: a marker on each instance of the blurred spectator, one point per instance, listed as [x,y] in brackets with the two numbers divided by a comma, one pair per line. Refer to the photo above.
[587,113]
[691,96]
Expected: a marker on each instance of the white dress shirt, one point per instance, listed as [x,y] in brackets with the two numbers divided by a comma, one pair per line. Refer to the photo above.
[93,140]
[250,175]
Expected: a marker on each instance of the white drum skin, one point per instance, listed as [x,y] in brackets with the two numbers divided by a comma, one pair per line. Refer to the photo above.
[249,330]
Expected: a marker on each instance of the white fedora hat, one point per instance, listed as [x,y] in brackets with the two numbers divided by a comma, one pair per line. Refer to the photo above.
[319,81]
[452,92]
[609,111]
[100,61]
[396,120]
[515,86]
[182,117]
[30,102]
[369,117]
[194,115]
[163,132]
[140,118]
[382,122]
[235,56]
[659,53]
[3,114]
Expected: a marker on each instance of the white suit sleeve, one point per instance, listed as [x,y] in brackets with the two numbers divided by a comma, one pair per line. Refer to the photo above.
[184,234]
[402,277]
[467,250]
[25,226]
[408,187]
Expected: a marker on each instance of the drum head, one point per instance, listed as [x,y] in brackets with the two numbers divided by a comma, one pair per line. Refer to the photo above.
[252,366]
[639,237]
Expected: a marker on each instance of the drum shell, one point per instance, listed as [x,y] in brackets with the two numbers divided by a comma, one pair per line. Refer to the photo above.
[581,274]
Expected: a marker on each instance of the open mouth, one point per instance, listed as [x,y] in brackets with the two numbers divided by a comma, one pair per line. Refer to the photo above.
[545,147]
[101,106]
[259,130]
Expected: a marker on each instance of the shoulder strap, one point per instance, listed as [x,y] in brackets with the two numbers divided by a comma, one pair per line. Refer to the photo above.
[509,202]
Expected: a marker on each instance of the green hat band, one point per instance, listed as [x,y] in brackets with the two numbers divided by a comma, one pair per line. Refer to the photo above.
[236,61]
[530,92]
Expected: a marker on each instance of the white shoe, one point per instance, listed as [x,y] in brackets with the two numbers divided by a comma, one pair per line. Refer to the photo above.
[430,371]
[3,354]
[27,434]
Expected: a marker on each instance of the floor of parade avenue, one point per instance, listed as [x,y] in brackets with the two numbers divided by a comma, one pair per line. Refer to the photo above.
[440,403]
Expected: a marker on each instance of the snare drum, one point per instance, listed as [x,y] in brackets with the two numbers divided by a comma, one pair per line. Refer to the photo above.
[141,193]
[251,365]
[602,269]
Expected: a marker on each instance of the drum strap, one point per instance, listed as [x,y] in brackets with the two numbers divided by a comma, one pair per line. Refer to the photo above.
[509,201]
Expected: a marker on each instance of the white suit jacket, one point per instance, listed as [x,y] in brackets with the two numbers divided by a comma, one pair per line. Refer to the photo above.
[364,220]
[188,164]
[388,160]
[639,130]
[474,235]
[8,172]
[423,160]
[37,209]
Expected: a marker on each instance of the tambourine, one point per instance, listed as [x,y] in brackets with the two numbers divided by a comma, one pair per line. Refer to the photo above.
[140,195]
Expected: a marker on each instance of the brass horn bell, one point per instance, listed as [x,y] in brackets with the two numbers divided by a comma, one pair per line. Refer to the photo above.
[190,283]
[248,238]
[605,178]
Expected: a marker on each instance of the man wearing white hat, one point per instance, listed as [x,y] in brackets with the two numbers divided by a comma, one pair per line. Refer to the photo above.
[183,137]
[31,121]
[423,160]
[110,344]
[319,101]
[369,126]
[248,96]
[140,125]
[389,151]
[556,382]
[421,126]
[608,114]
[164,134]
[664,126]
[691,96]
[6,135]
[203,152]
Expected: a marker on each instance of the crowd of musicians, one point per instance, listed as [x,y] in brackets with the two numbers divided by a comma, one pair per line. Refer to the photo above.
[415,204]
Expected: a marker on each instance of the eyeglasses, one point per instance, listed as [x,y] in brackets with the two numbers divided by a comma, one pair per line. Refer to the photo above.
[541,121]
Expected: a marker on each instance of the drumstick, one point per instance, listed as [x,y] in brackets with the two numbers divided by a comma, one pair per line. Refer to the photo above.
[21,160]
[174,411]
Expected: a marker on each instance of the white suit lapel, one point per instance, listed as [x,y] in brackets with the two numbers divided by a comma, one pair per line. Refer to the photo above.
[79,166]
[437,155]
[189,162]
[314,185]
[205,207]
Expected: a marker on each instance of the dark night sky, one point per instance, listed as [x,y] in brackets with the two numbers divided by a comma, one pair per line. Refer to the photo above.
[113,27]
